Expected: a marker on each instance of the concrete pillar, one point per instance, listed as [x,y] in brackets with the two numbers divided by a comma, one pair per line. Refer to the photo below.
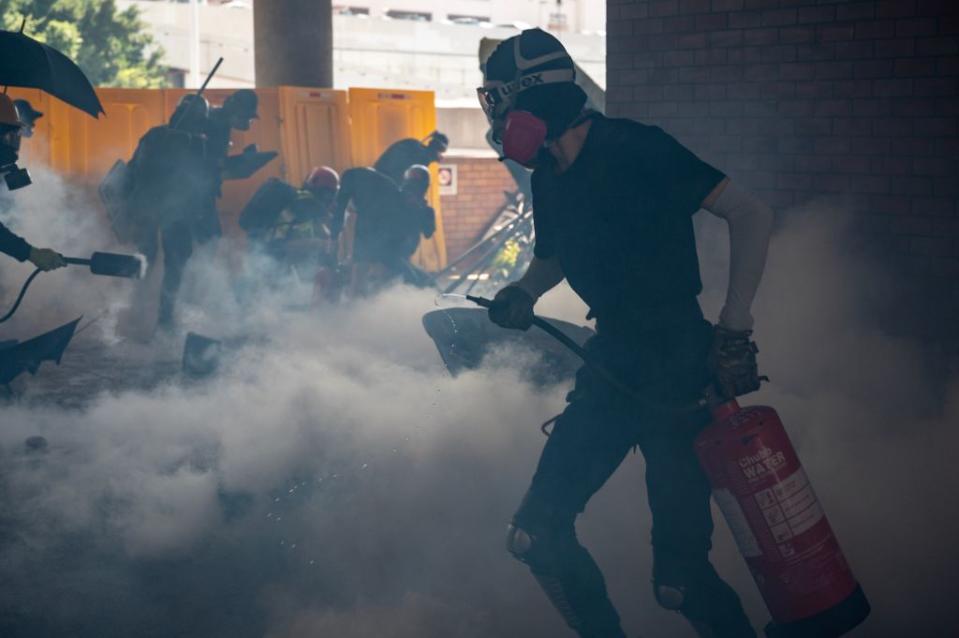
[293,42]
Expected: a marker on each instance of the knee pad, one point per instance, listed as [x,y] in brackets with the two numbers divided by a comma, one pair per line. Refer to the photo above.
[545,550]
[671,597]
[519,542]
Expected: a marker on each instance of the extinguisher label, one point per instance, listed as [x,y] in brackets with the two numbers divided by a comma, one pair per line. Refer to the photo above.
[738,523]
[774,515]
[790,507]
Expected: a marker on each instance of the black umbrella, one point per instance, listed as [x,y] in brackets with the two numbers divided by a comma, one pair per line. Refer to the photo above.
[27,63]
[26,356]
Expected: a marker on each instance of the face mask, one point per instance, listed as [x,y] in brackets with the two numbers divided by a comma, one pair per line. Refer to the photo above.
[523,137]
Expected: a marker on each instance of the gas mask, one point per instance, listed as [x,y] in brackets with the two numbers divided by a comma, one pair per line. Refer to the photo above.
[14,176]
[522,134]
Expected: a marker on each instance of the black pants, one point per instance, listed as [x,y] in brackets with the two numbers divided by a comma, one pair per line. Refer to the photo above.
[177,240]
[588,442]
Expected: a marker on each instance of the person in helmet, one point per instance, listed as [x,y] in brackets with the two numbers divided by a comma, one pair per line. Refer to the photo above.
[613,202]
[390,217]
[236,114]
[28,116]
[300,235]
[10,243]
[172,193]
[401,155]
[416,220]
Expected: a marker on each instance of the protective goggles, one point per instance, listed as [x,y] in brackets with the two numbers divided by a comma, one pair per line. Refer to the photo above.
[497,97]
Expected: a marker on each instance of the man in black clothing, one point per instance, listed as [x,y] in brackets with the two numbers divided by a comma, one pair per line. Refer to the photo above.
[415,219]
[11,128]
[389,221]
[373,196]
[401,155]
[172,195]
[613,201]
[237,113]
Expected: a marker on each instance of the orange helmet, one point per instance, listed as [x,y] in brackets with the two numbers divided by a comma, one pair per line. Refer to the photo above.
[322,178]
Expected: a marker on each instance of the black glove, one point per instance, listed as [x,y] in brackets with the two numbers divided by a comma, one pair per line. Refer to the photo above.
[732,362]
[512,307]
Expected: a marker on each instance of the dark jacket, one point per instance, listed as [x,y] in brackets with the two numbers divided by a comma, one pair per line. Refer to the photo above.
[13,245]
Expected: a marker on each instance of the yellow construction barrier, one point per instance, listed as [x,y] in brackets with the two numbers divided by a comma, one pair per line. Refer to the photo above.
[381,117]
[308,127]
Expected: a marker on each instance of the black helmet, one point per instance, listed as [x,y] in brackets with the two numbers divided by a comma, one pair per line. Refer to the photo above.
[28,114]
[532,72]
[242,103]
[191,111]
[416,180]
[438,141]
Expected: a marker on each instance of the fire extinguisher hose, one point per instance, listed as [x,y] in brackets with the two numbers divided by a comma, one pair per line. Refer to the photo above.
[602,372]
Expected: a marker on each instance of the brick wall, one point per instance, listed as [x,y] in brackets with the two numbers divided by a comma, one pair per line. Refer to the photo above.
[802,99]
[480,193]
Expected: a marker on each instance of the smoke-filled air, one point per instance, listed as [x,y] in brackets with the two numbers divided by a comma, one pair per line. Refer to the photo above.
[333,479]
[457,319]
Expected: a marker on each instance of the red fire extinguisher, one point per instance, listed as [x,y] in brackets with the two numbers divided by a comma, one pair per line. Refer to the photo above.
[779,524]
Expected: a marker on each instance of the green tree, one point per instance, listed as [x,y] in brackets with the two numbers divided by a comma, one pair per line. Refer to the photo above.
[111,46]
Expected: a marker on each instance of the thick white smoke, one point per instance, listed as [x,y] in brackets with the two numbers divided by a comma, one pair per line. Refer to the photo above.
[334,480]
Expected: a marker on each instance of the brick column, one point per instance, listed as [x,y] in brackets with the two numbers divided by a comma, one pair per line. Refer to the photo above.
[802,99]
[467,214]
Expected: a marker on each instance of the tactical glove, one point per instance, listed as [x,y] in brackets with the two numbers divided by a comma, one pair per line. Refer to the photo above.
[46,259]
[732,362]
[512,307]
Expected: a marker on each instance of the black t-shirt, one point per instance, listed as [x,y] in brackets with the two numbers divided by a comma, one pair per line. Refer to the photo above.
[401,155]
[619,219]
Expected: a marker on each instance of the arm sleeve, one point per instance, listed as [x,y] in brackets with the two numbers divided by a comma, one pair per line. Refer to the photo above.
[750,225]
[545,246]
[13,245]
[684,180]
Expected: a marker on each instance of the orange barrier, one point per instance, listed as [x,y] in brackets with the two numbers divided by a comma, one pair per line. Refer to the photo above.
[308,127]
[381,117]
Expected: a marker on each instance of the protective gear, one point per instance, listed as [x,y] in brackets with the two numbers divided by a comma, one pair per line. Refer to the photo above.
[670,597]
[322,178]
[518,542]
[11,128]
[732,362]
[438,142]
[28,116]
[191,113]
[512,307]
[690,586]
[416,181]
[501,87]
[564,570]
[46,259]
[241,107]
[523,137]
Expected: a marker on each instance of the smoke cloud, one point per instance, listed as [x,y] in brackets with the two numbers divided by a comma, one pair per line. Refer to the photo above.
[333,480]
